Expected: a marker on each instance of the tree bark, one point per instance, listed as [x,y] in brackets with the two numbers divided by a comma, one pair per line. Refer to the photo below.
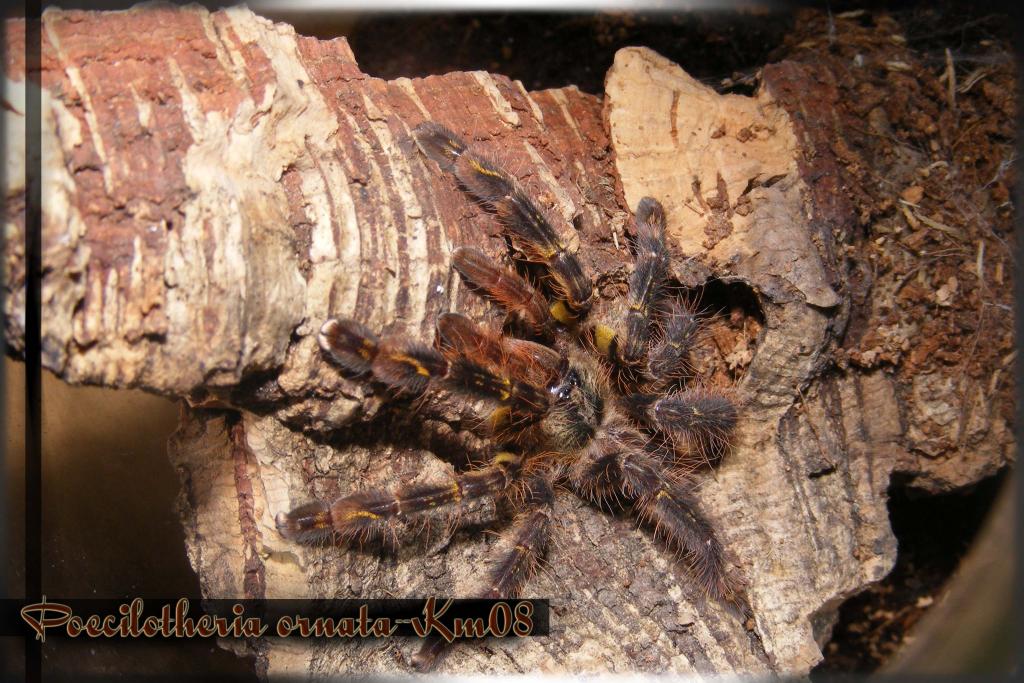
[215,187]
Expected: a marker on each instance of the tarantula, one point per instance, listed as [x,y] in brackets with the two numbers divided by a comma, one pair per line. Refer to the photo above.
[607,413]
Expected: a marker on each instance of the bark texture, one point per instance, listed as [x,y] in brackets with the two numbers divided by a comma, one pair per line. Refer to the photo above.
[216,186]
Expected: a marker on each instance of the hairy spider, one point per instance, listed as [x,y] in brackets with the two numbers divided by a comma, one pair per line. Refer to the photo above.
[609,412]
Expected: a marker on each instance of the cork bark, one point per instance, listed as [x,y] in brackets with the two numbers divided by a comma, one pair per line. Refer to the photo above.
[217,186]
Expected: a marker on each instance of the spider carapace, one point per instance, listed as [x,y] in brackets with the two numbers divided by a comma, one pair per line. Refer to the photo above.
[609,411]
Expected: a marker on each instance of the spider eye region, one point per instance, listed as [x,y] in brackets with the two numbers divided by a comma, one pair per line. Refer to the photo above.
[577,410]
[562,390]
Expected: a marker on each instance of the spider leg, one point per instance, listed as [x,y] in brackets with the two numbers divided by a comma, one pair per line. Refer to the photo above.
[663,501]
[402,367]
[525,223]
[614,463]
[409,368]
[506,287]
[440,144]
[370,515]
[516,555]
[628,353]
[594,474]
[515,373]
[669,359]
[471,377]
[523,360]
[650,270]
[701,418]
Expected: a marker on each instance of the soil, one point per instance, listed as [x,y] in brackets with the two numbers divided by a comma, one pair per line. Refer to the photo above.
[933,101]
[929,143]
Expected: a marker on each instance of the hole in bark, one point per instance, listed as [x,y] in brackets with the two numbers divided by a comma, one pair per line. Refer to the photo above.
[732,324]
[259,392]
[736,300]
[933,534]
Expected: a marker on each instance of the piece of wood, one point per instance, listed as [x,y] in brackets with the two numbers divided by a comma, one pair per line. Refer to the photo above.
[217,186]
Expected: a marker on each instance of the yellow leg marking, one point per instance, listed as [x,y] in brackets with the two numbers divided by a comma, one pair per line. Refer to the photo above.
[483,170]
[506,458]
[367,349]
[360,513]
[604,336]
[663,494]
[500,416]
[457,491]
[562,313]
[522,549]
[409,360]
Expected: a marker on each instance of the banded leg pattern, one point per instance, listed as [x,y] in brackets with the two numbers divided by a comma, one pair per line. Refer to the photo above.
[516,555]
[701,418]
[525,223]
[629,352]
[477,362]
[506,287]
[519,359]
[669,359]
[665,503]
[402,367]
[647,280]
[370,515]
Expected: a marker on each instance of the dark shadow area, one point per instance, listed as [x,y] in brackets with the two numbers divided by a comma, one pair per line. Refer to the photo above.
[548,50]
[933,534]
[110,525]
[732,299]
